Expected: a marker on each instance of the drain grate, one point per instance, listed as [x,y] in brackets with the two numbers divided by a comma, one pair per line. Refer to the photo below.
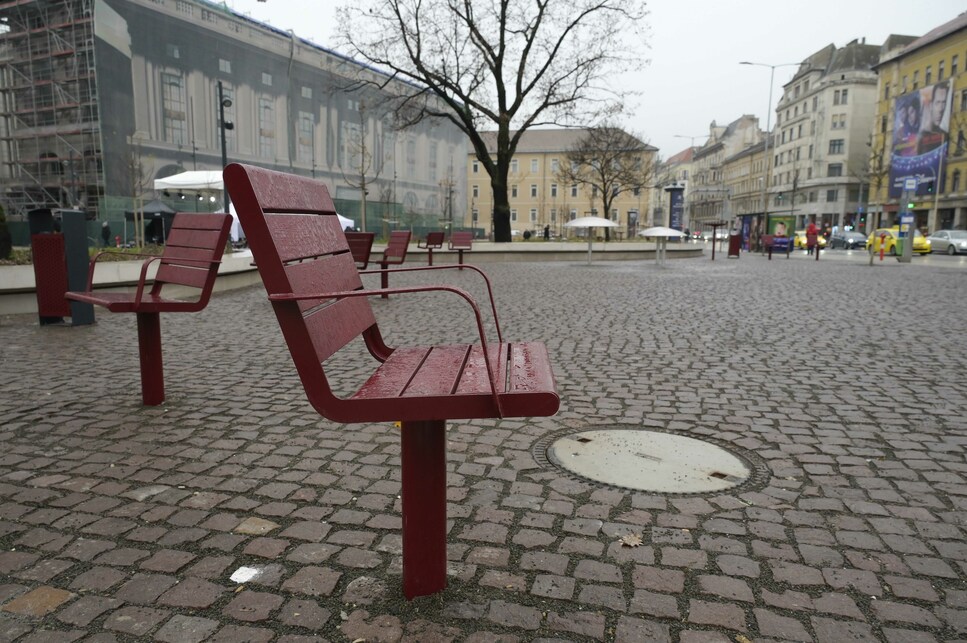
[653,461]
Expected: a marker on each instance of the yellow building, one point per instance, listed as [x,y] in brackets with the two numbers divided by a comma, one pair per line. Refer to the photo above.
[919,143]
[536,194]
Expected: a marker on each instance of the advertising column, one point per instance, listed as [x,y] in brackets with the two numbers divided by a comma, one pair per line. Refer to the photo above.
[676,206]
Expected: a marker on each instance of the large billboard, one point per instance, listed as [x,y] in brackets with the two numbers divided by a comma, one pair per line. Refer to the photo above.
[921,123]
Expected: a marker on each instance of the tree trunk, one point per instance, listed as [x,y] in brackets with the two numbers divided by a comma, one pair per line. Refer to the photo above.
[501,214]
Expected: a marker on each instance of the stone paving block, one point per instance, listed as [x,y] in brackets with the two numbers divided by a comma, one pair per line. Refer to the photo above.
[87,608]
[134,620]
[38,602]
[186,629]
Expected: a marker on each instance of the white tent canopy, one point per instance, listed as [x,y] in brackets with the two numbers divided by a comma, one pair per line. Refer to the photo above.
[192,180]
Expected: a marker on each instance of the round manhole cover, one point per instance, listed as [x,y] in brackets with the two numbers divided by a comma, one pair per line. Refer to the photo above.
[649,461]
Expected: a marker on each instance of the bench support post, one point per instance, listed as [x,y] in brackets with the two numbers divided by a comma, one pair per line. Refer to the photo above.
[460,259]
[149,352]
[424,453]
[429,258]
[383,280]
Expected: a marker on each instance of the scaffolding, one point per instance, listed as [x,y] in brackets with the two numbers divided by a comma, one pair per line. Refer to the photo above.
[50,149]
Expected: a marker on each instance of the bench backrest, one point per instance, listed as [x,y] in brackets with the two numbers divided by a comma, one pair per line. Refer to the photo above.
[193,252]
[433,240]
[360,246]
[461,240]
[768,240]
[300,248]
[399,241]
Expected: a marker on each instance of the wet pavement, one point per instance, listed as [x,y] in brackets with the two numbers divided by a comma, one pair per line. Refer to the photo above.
[233,512]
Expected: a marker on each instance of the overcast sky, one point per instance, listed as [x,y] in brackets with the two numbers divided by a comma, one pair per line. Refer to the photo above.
[690,74]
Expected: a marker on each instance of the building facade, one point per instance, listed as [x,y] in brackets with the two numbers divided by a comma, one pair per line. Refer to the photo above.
[708,195]
[823,124]
[101,97]
[537,195]
[918,157]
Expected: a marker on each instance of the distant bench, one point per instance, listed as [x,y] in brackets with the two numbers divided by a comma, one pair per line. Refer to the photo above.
[773,243]
[192,254]
[393,255]
[360,247]
[461,241]
[433,241]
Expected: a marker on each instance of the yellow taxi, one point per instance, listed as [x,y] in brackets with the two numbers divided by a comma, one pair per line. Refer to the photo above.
[799,240]
[890,236]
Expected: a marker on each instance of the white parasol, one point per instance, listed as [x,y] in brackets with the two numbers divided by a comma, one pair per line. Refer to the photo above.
[661,233]
[590,222]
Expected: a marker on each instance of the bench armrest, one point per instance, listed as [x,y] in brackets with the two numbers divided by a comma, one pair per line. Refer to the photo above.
[345,294]
[90,267]
[490,292]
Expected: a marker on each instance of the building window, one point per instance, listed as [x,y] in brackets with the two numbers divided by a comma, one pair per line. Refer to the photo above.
[173,51]
[836,97]
[306,92]
[533,166]
[224,66]
[574,214]
[813,196]
[533,215]
[916,79]
[844,98]
[834,169]
[574,190]
[553,215]
[411,158]
[940,70]
[832,196]
[886,92]
[928,75]
[963,99]
[266,128]
[514,166]
[305,149]
[955,181]
[513,215]
[513,191]
[953,65]
[475,166]
[475,215]
[184,7]
[555,165]
[432,161]
[836,146]
[266,79]
[175,116]
[209,16]
[476,191]
[533,191]
[553,190]
[815,103]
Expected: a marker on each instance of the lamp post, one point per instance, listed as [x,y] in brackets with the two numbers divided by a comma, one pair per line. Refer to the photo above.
[223,125]
[765,160]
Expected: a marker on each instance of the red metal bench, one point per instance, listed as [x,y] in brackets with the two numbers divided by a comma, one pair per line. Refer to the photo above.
[461,240]
[360,246]
[433,241]
[192,254]
[393,255]
[321,306]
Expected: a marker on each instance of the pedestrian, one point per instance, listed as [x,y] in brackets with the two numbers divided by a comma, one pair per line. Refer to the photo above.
[106,233]
[547,232]
[812,236]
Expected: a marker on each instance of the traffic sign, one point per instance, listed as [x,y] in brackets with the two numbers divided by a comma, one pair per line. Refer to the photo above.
[910,183]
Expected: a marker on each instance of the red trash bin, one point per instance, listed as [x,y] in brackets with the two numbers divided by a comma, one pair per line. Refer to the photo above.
[735,245]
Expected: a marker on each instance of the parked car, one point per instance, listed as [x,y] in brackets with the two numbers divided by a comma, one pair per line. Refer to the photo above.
[799,241]
[920,243]
[950,241]
[848,239]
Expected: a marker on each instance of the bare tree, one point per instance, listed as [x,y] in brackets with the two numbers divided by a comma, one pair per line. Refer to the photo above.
[498,67]
[361,158]
[608,162]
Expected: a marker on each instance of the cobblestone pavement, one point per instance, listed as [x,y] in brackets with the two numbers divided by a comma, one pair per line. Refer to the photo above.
[122,523]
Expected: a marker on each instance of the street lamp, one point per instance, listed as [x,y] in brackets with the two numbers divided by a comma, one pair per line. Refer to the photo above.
[222,104]
[765,160]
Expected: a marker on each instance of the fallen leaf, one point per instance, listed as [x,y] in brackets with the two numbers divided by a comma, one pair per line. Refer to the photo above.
[631,540]
[739,638]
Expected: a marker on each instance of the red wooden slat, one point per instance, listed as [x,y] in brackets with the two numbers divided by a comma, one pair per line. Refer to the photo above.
[336,325]
[195,221]
[391,378]
[474,379]
[461,240]
[198,257]
[182,275]
[440,371]
[298,236]
[332,273]
[280,192]
[530,368]
[188,238]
